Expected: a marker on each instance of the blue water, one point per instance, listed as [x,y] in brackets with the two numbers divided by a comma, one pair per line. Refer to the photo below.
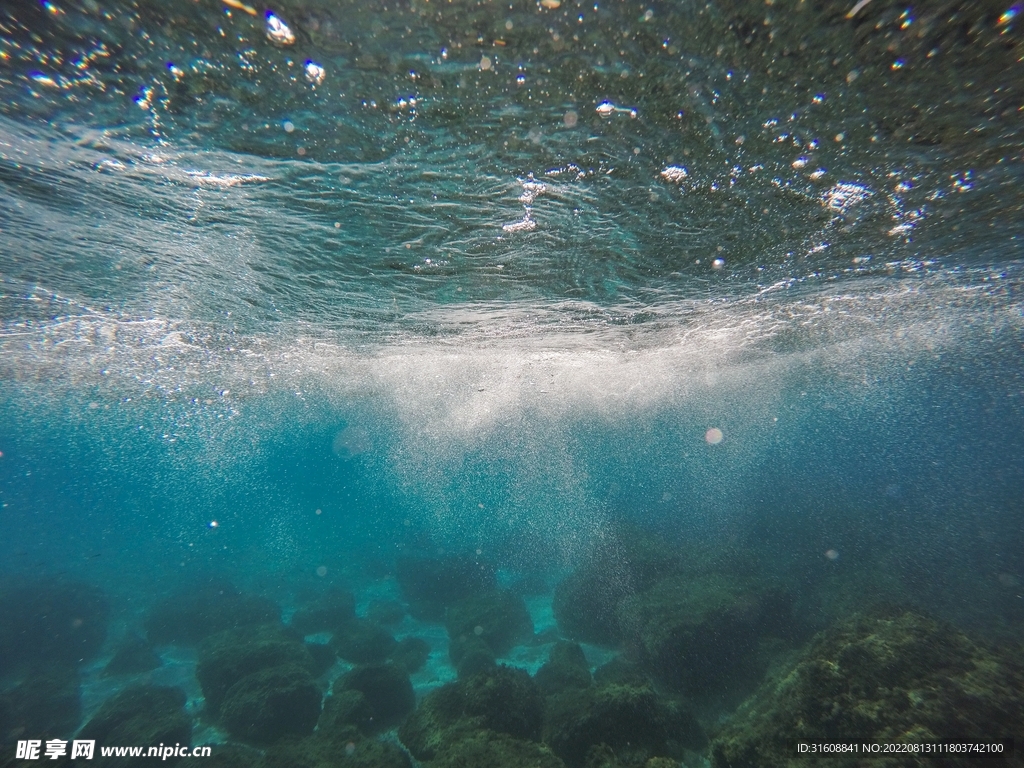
[486,287]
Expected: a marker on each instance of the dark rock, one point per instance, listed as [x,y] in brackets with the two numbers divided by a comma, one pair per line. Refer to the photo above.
[272,703]
[344,710]
[891,677]
[701,633]
[228,657]
[48,621]
[387,689]
[498,618]
[470,655]
[363,642]
[47,702]
[141,715]
[135,655]
[412,653]
[487,749]
[566,668]
[323,656]
[586,603]
[325,613]
[432,584]
[317,752]
[505,700]
[224,756]
[386,612]
[635,722]
[193,614]
[622,672]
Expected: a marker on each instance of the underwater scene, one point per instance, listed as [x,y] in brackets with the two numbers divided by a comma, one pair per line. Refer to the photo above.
[511,384]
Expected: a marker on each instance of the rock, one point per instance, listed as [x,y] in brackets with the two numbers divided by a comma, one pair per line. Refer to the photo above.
[344,710]
[228,657]
[363,642]
[46,702]
[387,613]
[586,603]
[890,677]
[316,752]
[142,715]
[487,749]
[135,655]
[386,688]
[323,656]
[498,618]
[621,671]
[701,633]
[192,614]
[48,622]
[432,584]
[505,700]
[412,653]
[276,702]
[634,721]
[224,756]
[328,611]
[470,655]
[566,668]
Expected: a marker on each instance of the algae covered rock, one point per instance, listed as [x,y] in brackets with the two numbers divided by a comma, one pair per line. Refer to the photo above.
[896,677]
[487,749]
[412,653]
[142,715]
[135,655]
[228,657]
[499,618]
[387,613]
[505,700]
[633,721]
[48,701]
[701,633]
[316,752]
[387,691]
[270,704]
[325,613]
[566,668]
[344,710]
[471,655]
[363,642]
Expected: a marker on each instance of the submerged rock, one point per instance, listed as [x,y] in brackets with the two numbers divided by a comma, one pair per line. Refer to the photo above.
[272,703]
[231,656]
[432,584]
[385,612]
[505,700]
[498,618]
[412,653]
[362,642]
[135,655]
[701,633]
[141,715]
[192,614]
[317,752]
[471,655]
[344,710]
[633,721]
[387,690]
[566,668]
[48,701]
[897,677]
[487,749]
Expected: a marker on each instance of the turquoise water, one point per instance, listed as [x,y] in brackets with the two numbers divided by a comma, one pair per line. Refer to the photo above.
[505,282]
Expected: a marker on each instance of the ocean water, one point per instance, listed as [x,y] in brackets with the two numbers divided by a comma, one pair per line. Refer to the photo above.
[294,294]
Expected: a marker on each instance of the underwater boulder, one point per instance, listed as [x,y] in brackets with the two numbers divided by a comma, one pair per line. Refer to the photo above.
[325,613]
[192,614]
[566,668]
[889,677]
[48,702]
[488,749]
[498,617]
[228,657]
[142,715]
[621,671]
[505,700]
[323,656]
[470,655]
[134,656]
[362,642]
[387,613]
[586,603]
[387,690]
[432,584]
[270,704]
[50,621]
[412,653]
[702,633]
[317,752]
[634,721]
[344,710]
